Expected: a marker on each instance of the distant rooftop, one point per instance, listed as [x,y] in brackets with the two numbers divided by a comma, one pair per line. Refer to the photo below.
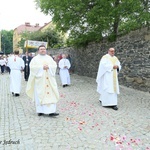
[28,27]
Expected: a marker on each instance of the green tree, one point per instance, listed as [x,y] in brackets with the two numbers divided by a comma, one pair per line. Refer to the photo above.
[53,38]
[92,20]
[7,41]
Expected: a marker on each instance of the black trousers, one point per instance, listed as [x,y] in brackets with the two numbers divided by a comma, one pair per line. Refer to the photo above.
[2,68]
[26,72]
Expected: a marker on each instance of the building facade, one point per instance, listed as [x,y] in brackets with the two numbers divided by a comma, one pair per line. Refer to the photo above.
[27,27]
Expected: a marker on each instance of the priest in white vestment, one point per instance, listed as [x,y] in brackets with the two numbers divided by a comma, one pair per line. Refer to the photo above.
[64,66]
[107,79]
[42,86]
[16,65]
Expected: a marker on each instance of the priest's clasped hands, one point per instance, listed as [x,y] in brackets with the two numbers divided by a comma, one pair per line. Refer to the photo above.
[115,67]
[45,67]
[65,67]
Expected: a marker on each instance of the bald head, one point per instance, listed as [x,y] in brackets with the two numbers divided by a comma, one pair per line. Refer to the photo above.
[111,51]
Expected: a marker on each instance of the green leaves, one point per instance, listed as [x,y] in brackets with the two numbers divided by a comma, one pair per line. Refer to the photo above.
[91,20]
[7,41]
[53,38]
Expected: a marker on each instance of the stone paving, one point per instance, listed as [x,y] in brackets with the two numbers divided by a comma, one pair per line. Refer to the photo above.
[83,124]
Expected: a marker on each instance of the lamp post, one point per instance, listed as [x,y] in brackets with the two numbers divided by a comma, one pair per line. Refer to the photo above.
[4,48]
[26,45]
[0,39]
[0,42]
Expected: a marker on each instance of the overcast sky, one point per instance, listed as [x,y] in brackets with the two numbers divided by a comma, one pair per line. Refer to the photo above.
[14,13]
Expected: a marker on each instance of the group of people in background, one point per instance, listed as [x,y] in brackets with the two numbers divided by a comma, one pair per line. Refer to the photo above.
[40,70]
[4,61]
[21,63]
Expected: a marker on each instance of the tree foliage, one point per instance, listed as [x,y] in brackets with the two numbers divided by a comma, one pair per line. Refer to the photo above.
[92,20]
[7,41]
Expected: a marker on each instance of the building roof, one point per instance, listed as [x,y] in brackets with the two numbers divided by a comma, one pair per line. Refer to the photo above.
[45,25]
[27,27]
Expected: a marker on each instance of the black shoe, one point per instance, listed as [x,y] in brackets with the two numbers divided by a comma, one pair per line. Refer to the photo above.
[64,85]
[115,107]
[100,101]
[40,114]
[53,114]
[13,93]
[17,95]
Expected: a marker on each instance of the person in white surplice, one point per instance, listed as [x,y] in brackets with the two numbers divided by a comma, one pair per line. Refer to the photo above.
[64,66]
[107,79]
[41,85]
[16,65]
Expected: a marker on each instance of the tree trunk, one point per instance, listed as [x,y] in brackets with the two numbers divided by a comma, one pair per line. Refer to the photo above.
[116,21]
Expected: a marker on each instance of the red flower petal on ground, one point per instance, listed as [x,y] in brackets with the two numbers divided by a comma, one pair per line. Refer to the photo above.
[79,128]
[111,138]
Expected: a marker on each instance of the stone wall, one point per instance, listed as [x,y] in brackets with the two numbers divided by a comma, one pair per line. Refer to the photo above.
[133,51]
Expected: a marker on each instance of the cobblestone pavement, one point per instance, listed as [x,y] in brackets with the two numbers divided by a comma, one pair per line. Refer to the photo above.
[83,124]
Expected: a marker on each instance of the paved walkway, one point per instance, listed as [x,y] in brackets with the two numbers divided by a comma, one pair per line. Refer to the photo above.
[83,124]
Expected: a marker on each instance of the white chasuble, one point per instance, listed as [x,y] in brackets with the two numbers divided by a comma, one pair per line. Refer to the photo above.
[41,85]
[64,72]
[107,80]
[16,65]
